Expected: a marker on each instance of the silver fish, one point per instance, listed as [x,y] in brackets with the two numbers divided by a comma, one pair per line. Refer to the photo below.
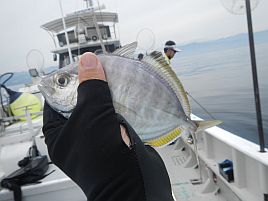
[147,93]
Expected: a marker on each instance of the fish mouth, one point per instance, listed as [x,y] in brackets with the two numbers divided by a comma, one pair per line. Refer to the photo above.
[41,88]
[46,90]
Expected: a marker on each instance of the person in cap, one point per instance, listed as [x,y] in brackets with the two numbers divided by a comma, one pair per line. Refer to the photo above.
[170,50]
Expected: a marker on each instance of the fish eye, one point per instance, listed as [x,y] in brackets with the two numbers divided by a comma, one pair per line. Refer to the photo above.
[62,80]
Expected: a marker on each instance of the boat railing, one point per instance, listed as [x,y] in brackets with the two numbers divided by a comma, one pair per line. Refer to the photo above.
[250,166]
[25,122]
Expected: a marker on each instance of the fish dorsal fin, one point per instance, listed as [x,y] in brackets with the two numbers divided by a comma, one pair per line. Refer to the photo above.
[162,68]
[127,50]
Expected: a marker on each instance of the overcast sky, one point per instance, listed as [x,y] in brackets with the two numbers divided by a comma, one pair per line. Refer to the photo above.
[183,21]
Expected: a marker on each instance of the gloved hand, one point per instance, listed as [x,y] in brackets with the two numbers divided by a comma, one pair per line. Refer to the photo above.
[89,67]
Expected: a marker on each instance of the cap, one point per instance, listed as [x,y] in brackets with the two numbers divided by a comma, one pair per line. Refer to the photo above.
[172,45]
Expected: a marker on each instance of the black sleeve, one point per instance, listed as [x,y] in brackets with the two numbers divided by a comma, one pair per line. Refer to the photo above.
[89,148]
[53,122]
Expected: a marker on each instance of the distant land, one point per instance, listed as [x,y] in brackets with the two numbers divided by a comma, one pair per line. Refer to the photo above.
[239,40]
[23,77]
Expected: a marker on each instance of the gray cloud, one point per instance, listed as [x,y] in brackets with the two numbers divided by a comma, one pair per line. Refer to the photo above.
[184,21]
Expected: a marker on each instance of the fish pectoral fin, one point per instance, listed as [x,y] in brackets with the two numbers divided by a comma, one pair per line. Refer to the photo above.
[203,125]
[165,139]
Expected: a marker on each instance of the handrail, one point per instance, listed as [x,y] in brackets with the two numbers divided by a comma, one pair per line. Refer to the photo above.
[5,119]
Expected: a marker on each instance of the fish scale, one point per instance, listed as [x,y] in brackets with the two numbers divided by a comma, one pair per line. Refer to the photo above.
[140,85]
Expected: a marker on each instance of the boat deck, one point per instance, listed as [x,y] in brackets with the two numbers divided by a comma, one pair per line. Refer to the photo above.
[179,159]
[57,186]
[182,173]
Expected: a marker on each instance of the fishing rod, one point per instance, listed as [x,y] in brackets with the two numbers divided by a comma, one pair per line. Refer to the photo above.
[255,78]
[208,113]
[65,32]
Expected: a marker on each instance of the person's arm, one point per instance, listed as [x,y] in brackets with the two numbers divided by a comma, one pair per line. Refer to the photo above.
[52,125]
[93,119]
[89,143]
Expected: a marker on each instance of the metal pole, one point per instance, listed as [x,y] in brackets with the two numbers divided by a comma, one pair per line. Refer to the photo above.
[255,77]
[98,32]
[66,35]
[90,3]
[265,197]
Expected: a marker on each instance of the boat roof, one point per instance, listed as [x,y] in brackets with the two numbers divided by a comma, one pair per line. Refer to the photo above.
[84,17]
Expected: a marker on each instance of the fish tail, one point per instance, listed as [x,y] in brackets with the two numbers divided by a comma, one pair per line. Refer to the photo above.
[202,125]
[165,139]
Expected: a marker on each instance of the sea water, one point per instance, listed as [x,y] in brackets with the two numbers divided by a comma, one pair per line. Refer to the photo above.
[221,81]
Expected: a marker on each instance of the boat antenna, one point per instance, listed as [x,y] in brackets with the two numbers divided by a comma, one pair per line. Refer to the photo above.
[240,7]
[91,7]
[66,35]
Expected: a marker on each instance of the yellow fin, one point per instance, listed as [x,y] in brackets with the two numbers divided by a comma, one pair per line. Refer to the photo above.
[159,64]
[203,125]
[165,139]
